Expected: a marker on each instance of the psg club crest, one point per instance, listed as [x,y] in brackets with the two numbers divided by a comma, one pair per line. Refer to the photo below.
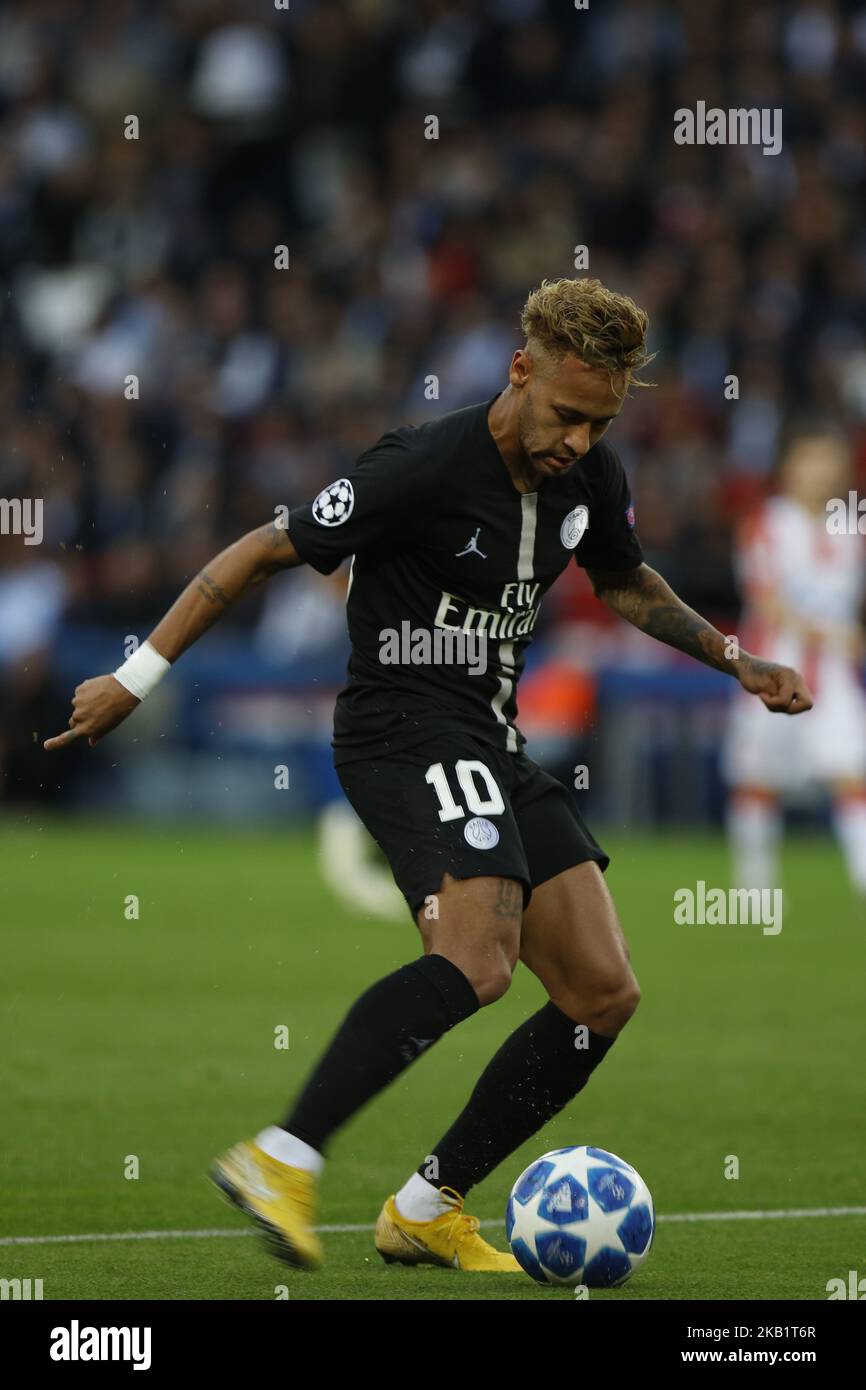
[573,527]
[481,833]
[334,504]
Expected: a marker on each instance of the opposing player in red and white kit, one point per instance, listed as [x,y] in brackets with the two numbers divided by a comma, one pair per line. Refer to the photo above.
[804,588]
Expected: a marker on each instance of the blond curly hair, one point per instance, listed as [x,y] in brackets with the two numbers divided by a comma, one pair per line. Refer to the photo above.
[602,328]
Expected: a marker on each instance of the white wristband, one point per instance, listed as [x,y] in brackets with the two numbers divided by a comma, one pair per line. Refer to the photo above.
[142,671]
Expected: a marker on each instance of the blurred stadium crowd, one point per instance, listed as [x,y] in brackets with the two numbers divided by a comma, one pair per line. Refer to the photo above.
[260,126]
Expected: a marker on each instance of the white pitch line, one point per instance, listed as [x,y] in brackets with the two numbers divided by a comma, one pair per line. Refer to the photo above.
[792,1213]
[122,1235]
[787,1214]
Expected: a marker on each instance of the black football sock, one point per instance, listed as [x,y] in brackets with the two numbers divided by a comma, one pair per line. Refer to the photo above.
[391,1024]
[536,1072]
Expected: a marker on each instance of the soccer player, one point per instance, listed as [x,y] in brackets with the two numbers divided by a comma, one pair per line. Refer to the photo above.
[804,586]
[457,528]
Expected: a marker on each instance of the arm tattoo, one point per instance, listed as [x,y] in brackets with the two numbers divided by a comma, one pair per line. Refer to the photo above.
[212,591]
[275,536]
[509,899]
[644,599]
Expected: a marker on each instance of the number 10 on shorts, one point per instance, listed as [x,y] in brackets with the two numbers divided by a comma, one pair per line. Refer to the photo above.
[467,769]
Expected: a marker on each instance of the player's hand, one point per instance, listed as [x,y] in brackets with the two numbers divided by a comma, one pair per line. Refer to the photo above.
[781,688]
[98,706]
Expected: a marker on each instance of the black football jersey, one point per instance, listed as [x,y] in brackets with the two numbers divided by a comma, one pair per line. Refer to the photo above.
[450,565]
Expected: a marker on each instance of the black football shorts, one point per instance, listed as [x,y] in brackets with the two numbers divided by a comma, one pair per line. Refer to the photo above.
[456,805]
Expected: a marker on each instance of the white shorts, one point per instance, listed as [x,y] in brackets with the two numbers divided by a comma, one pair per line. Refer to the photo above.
[788,752]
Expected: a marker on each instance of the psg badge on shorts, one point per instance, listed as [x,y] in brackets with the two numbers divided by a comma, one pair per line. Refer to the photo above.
[573,527]
[481,833]
[334,504]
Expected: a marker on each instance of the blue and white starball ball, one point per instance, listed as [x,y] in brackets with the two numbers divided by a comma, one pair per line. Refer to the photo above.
[580,1216]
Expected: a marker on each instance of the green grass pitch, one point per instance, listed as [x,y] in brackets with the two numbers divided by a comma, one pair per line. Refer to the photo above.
[155,1038]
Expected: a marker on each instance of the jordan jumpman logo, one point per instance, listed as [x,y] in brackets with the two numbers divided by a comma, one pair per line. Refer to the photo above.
[472,547]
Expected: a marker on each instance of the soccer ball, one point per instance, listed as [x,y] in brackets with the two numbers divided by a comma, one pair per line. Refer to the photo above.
[580,1216]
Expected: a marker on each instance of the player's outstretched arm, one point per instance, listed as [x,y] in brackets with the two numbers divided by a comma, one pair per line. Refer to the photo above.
[644,599]
[103,702]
